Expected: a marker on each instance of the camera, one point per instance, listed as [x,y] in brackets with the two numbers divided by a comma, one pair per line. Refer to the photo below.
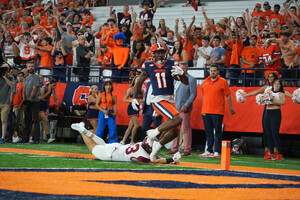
[3,70]
[110,113]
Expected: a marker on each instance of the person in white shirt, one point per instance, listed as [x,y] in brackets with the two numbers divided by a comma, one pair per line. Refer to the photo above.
[202,55]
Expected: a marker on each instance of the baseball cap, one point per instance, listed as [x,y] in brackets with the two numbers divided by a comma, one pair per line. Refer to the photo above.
[126,5]
[69,24]
[103,45]
[71,4]
[254,36]
[258,5]
[170,31]
[197,28]
[266,4]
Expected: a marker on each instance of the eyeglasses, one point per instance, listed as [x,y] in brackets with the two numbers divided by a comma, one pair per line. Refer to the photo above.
[79,34]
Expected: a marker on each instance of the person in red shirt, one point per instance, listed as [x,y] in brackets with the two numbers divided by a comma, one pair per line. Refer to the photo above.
[270,57]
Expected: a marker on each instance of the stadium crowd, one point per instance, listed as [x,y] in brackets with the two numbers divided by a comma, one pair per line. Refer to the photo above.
[58,37]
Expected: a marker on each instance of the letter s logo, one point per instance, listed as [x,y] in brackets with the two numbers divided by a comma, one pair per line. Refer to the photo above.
[80,95]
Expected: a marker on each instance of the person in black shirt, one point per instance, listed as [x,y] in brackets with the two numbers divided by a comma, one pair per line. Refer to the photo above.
[83,57]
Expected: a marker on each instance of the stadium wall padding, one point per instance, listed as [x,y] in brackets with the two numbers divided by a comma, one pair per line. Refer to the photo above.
[248,117]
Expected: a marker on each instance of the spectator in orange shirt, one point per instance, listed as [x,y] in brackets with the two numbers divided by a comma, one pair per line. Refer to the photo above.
[38,9]
[111,29]
[137,58]
[268,11]
[275,25]
[260,14]
[104,59]
[13,28]
[120,52]
[178,53]
[23,28]
[250,59]
[46,59]
[18,98]
[277,15]
[237,47]
[214,91]
[187,41]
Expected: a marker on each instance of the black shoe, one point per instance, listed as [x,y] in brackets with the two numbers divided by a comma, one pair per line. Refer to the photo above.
[24,141]
[35,142]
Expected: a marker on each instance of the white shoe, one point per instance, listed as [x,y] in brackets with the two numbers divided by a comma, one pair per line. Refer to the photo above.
[176,158]
[122,143]
[51,140]
[216,155]
[152,157]
[16,139]
[152,133]
[78,127]
[82,124]
[31,140]
[206,154]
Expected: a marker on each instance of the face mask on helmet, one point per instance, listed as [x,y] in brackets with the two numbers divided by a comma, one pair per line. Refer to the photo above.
[160,56]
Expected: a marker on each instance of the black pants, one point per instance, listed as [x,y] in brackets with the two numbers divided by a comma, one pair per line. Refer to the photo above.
[265,138]
[272,126]
[32,109]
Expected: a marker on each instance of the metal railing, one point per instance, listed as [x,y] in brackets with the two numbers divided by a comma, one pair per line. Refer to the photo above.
[96,76]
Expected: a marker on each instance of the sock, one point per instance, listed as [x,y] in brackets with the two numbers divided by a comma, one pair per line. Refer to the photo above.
[156,148]
[87,133]
[98,140]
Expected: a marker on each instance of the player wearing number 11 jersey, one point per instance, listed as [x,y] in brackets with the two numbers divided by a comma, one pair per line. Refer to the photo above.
[162,73]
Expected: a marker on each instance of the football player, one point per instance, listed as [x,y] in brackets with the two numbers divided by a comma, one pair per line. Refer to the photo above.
[162,73]
[137,152]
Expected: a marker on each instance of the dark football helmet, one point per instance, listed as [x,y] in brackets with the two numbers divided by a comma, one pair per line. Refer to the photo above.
[147,144]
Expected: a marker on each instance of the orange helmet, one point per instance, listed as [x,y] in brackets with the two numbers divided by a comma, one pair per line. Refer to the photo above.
[158,47]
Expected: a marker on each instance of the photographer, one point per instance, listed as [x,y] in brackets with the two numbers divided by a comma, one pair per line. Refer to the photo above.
[32,104]
[6,87]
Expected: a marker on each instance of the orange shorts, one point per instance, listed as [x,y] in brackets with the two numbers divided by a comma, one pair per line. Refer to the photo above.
[167,110]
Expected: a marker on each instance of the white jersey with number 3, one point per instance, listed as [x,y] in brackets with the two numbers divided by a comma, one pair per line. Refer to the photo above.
[123,153]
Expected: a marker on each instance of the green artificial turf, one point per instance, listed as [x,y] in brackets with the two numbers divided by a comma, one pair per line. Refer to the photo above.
[14,160]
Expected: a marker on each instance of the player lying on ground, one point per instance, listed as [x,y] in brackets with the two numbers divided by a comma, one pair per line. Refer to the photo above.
[138,152]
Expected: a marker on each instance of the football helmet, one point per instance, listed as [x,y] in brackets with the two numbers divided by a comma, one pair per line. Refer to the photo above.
[147,144]
[159,51]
